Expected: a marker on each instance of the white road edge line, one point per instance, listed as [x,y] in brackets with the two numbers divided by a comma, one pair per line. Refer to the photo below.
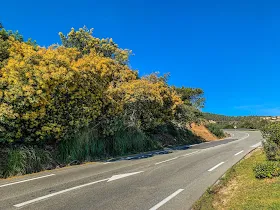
[222,145]
[166,199]
[26,180]
[257,145]
[238,153]
[216,166]
[166,160]
[188,154]
[57,193]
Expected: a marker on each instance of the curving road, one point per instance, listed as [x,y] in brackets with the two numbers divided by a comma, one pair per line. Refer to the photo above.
[170,181]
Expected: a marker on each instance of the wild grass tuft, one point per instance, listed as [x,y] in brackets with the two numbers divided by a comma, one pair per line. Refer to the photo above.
[25,160]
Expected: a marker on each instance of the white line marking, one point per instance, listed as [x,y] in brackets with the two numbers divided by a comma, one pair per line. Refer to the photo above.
[216,166]
[257,144]
[166,199]
[166,160]
[188,154]
[114,177]
[119,176]
[57,193]
[221,145]
[239,153]
[27,180]
[107,162]
[245,137]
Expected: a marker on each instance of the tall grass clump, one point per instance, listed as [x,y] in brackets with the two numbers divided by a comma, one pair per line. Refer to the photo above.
[84,146]
[132,140]
[89,145]
[24,160]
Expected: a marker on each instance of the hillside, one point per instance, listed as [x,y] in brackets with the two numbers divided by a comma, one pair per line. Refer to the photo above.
[203,132]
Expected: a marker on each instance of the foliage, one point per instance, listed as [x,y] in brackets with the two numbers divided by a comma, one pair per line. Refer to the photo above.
[146,103]
[46,95]
[172,134]
[229,122]
[271,133]
[267,169]
[5,45]
[191,96]
[216,130]
[85,43]
[84,101]
[23,160]
[272,150]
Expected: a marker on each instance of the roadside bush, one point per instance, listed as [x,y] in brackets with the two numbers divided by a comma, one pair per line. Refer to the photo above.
[272,151]
[25,160]
[216,130]
[228,126]
[271,134]
[267,169]
[172,134]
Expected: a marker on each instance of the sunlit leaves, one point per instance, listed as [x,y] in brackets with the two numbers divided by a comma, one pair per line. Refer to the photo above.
[50,94]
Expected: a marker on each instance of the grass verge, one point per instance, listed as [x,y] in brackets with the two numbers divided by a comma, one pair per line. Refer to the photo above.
[239,189]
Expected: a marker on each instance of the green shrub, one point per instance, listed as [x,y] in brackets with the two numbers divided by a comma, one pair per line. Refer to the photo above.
[216,130]
[272,150]
[25,160]
[267,169]
[271,133]
[228,126]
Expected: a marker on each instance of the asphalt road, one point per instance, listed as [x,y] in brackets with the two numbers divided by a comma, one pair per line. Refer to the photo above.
[170,181]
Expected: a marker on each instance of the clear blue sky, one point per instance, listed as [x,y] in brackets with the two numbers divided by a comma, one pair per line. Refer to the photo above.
[229,48]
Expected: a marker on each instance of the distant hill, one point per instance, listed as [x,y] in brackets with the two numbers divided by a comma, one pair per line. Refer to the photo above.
[224,118]
[250,122]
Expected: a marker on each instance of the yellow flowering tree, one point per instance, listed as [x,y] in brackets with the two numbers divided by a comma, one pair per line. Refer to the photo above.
[83,40]
[50,93]
[146,104]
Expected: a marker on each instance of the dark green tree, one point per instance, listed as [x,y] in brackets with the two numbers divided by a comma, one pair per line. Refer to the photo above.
[191,96]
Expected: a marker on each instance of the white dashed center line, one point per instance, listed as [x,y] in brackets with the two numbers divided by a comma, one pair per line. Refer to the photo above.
[166,161]
[216,166]
[166,199]
[238,153]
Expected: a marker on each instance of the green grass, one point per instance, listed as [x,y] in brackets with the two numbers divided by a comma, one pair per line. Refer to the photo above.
[24,160]
[88,145]
[239,189]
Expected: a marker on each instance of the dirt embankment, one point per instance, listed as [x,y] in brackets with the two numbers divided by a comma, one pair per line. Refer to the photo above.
[203,132]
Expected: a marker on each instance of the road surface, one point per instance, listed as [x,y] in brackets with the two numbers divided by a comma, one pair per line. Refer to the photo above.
[170,181]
